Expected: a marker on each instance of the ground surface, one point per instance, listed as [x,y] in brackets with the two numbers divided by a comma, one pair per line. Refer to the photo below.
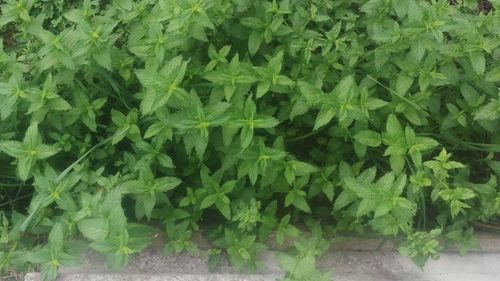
[349,266]
[350,263]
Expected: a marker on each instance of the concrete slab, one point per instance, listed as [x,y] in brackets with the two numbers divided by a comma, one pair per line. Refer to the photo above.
[349,260]
[390,266]
[347,266]
[474,266]
[154,277]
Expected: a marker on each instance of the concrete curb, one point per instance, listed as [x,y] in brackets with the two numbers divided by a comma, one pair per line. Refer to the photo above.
[354,259]
[347,266]
[154,277]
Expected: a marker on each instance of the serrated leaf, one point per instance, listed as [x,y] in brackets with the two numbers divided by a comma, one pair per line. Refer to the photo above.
[325,115]
[209,201]
[369,138]
[12,148]
[393,126]
[254,41]
[403,83]
[94,229]
[493,75]
[301,203]
[478,62]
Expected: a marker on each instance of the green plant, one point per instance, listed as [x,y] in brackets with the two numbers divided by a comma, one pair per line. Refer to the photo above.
[420,246]
[242,120]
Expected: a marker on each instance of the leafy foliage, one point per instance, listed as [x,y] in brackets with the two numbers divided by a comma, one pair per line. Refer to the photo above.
[242,120]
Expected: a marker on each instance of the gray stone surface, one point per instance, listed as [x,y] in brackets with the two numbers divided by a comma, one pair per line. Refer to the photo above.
[474,267]
[346,265]
[154,277]
[390,266]
[349,261]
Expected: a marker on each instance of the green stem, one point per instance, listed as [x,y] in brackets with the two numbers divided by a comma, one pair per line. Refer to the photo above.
[304,26]
[424,212]
[14,200]
[421,197]
[13,185]
[416,106]
[299,138]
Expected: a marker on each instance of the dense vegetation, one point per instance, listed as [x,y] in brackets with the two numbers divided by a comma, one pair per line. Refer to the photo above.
[253,122]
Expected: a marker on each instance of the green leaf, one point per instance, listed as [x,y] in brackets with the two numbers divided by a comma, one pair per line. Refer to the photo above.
[48,272]
[209,201]
[29,151]
[140,236]
[56,236]
[325,115]
[102,246]
[12,148]
[251,22]
[39,256]
[68,260]
[371,6]
[103,57]
[493,75]
[301,203]
[401,7]
[286,262]
[490,111]
[393,126]
[310,92]
[94,229]
[397,162]
[403,83]
[46,151]
[32,137]
[266,122]
[254,41]
[161,86]
[165,184]
[423,144]
[224,208]
[478,62]
[365,207]
[368,138]
[297,200]
[246,136]
[262,89]
[118,260]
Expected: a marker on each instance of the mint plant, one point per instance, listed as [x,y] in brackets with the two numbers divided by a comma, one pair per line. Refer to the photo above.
[249,122]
